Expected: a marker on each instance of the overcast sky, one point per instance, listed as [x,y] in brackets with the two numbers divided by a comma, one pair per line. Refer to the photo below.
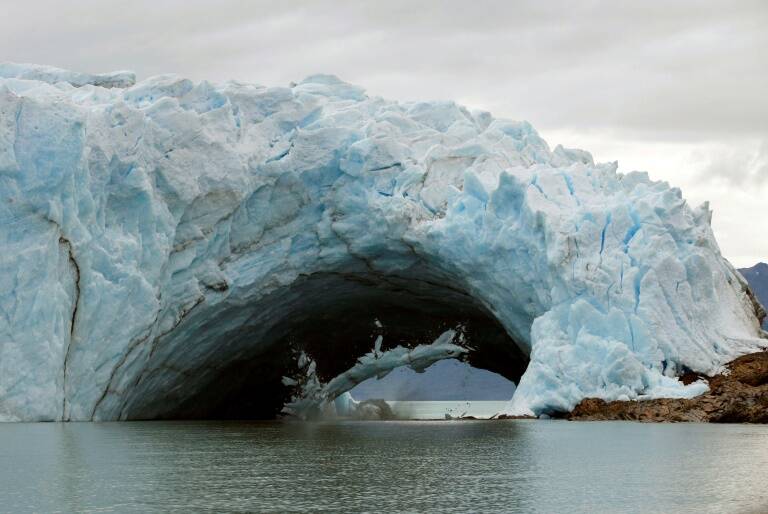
[678,89]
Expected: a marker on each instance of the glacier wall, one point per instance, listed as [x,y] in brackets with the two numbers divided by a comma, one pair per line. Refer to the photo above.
[153,234]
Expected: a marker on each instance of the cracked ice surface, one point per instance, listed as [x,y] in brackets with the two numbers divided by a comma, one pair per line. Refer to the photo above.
[152,232]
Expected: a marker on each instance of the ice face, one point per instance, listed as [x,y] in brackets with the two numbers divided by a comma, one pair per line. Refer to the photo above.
[156,236]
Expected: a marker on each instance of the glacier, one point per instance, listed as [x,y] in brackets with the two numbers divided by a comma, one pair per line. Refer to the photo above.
[171,246]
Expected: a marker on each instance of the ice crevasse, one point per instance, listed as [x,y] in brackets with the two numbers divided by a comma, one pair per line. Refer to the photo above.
[155,234]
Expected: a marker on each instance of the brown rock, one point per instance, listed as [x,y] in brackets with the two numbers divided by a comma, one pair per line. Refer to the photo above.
[740,395]
[750,369]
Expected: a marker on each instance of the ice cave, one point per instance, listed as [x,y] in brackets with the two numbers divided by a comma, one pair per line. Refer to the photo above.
[180,249]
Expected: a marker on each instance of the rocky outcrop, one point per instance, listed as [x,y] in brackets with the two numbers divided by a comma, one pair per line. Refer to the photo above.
[738,395]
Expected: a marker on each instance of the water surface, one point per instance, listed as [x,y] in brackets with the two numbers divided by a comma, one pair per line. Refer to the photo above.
[416,466]
[453,408]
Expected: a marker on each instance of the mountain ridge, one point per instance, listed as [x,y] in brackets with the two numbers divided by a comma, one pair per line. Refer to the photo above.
[757,277]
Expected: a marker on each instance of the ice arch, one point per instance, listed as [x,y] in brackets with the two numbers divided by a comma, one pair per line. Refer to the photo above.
[163,240]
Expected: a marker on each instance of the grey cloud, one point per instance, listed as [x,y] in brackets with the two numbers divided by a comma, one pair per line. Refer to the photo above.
[743,169]
[653,70]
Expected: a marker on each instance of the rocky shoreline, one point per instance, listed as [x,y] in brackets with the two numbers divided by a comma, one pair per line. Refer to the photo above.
[738,395]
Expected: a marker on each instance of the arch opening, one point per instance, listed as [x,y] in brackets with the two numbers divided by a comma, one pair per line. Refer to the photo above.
[334,318]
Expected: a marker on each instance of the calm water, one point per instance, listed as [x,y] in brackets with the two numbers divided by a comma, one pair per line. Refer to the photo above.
[454,408]
[417,466]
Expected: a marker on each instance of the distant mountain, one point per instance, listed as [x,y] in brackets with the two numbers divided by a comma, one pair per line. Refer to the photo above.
[757,276]
[444,380]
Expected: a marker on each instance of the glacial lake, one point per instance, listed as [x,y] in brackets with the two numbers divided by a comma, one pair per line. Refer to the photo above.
[383,466]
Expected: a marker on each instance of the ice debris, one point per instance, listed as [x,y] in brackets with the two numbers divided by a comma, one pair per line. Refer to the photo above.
[315,399]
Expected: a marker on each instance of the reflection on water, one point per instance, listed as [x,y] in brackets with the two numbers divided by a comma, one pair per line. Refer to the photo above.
[513,466]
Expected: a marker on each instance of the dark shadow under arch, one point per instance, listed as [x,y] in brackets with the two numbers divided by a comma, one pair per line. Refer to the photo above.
[335,318]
